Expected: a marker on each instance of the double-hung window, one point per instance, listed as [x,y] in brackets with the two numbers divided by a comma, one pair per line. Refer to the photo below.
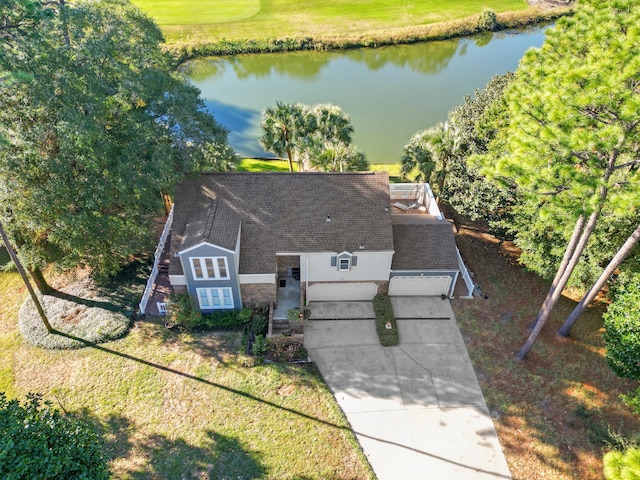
[215,298]
[344,264]
[209,268]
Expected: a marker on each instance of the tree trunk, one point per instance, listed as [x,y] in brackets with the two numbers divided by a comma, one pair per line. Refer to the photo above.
[615,262]
[25,279]
[290,158]
[568,253]
[563,278]
[39,280]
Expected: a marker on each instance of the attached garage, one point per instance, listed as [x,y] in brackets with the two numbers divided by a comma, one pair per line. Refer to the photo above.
[419,286]
[334,292]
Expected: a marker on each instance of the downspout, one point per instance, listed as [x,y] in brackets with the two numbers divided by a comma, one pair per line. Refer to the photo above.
[306,274]
[453,285]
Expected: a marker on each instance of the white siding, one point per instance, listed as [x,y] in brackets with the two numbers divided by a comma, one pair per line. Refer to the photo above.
[335,292]
[370,266]
[177,280]
[419,286]
[246,279]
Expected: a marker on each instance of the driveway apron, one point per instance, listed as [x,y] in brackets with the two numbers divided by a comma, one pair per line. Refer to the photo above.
[416,409]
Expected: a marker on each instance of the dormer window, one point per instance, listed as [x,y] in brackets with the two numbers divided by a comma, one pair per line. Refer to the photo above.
[344,264]
[344,261]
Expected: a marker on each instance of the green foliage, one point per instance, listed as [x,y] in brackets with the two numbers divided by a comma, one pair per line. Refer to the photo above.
[433,152]
[385,321]
[622,465]
[259,346]
[36,441]
[488,20]
[567,139]
[318,136]
[276,29]
[98,124]
[181,311]
[224,320]
[632,400]
[622,328]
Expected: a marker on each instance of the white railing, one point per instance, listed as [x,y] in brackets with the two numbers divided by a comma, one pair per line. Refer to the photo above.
[411,192]
[154,272]
[465,276]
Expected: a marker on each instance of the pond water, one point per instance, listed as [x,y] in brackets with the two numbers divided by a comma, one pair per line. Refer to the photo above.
[389,92]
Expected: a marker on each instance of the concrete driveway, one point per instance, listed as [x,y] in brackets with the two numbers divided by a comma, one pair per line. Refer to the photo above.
[416,409]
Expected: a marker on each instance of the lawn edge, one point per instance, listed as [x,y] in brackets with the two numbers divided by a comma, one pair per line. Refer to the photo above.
[183,51]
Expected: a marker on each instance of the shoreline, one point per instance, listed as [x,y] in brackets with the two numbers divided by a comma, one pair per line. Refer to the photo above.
[184,51]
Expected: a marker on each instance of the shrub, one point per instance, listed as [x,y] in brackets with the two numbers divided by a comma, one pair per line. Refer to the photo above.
[385,321]
[259,325]
[181,311]
[622,465]
[225,320]
[259,345]
[488,20]
[36,441]
[622,328]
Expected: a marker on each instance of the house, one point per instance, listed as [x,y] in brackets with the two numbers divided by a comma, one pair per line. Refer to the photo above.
[238,238]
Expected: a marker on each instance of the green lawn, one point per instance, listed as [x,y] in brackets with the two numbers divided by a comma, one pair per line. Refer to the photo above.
[214,20]
[255,165]
[183,406]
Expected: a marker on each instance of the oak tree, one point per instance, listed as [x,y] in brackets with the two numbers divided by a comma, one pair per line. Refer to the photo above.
[98,125]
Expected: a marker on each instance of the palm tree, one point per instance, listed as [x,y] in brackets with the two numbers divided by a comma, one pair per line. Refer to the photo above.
[417,156]
[325,124]
[433,151]
[337,156]
[332,124]
[283,129]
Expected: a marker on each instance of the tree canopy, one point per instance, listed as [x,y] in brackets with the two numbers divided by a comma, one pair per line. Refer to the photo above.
[573,134]
[98,124]
[37,441]
[316,136]
[444,153]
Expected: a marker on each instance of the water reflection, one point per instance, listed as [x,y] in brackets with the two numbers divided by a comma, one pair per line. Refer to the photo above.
[390,92]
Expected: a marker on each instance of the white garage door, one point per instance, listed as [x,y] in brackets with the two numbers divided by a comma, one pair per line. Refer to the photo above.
[419,286]
[334,292]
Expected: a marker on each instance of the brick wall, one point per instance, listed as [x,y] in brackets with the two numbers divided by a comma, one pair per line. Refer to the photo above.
[285,262]
[255,294]
[177,289]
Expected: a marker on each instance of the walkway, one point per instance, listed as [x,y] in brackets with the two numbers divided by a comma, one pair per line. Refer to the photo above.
[417,409]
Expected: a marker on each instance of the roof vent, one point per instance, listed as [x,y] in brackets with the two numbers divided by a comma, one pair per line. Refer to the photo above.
[328,218]
[361,247]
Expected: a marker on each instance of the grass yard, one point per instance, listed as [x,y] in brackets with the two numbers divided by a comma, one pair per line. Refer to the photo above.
[259,165]
[182,406]
[559,410]
[214,20]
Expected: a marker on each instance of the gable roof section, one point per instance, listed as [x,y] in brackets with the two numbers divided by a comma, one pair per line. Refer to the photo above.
[283,212]
[426,246]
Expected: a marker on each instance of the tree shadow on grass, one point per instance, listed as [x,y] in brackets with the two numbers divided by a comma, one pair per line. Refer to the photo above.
[346,428]
[121,291]
[160,457]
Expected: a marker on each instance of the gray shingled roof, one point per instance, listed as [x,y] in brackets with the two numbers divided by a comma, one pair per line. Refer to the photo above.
[282,212]
[428,246]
